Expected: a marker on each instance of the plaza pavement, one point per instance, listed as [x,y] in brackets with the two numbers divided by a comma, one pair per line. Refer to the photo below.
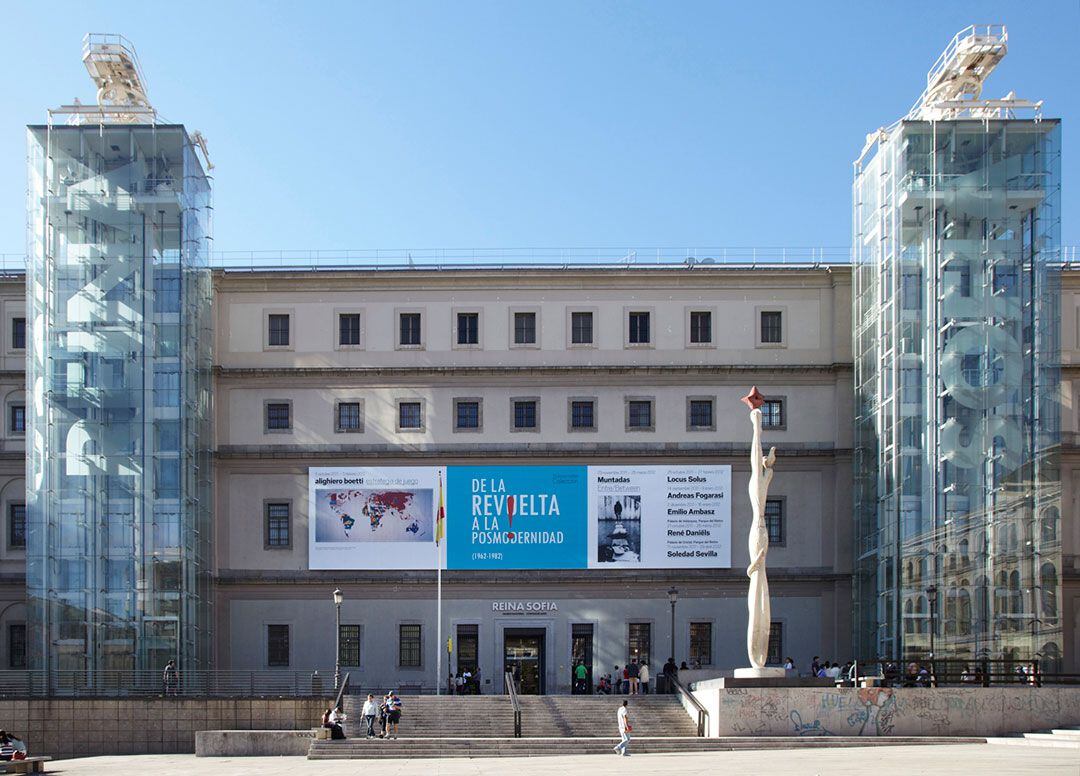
[949,760]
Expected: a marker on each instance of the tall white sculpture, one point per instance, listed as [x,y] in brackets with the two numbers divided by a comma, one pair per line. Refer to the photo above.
[757,601]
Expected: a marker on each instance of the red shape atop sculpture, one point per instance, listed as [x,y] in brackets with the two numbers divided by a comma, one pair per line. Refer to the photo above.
[754,399]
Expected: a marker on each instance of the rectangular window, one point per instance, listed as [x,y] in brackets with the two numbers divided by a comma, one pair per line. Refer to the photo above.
[18,334]
[278,334]
[17,645]
[701,413]
[776,643]
[466,414]
[278,416]
[277,646]
[774,519]
[701,327]
[581,328]
[524,328]
[349,329]
[582,414]
[409,329]
[277,525]
[525,414]
[349,417]
[639,643]
[16,526]
[700,644]
[17,419]
[772,413]
[167,292]
[410,415]
[468,648]
[166,385]
[349,645]
[468,328]
[772,327]
[409,646]
[639,413]
[639,328]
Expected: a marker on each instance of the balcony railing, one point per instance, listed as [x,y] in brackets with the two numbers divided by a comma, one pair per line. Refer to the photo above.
[121,683]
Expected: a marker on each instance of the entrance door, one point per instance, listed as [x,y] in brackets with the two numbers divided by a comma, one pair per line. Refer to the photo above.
[581,654]
[523,656]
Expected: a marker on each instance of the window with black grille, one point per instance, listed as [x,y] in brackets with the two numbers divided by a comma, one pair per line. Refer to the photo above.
[349,645]
[277,646]
[701,643]
[277,524]
[409,646]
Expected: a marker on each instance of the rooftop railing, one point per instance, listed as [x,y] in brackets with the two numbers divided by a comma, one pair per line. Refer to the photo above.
[436,259]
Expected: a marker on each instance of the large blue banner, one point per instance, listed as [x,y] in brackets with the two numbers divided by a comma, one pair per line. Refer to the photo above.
[517,517]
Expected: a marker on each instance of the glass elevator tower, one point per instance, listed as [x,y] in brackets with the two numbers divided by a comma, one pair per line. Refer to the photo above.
[118,468]
[956,231]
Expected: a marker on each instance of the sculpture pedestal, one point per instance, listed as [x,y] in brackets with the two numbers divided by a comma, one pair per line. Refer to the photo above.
[770,677]
[759,673]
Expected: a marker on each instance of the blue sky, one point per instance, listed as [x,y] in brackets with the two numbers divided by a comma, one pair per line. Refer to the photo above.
[511,124]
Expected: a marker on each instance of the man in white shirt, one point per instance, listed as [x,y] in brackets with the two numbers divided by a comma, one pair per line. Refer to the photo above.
[623,718]
[370,710]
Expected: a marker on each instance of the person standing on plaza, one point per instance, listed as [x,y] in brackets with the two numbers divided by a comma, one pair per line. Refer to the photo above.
[643,677]
[369,713]
[634,676]
[477,689]
[623,718]
[169,679]
[670,672]
[617,680]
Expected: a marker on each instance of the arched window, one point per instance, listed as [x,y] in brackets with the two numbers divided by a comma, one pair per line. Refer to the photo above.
[964,617]
[909,622]
[1048,584]
[965,557]
[1049,527]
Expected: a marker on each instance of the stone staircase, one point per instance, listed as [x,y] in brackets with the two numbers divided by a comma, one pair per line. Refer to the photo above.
[1059,738]
[413,748]
[542,716]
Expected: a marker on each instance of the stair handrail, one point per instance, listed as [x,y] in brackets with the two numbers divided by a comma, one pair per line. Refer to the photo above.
[702,712]
[511,690]
[341,691]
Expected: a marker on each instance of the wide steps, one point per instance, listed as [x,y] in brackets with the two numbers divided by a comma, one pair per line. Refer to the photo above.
[413,748]
[548,716]
[1059,738]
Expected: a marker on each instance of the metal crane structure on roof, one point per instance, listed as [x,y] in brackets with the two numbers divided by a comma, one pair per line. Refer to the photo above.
[122,96]
[954,83]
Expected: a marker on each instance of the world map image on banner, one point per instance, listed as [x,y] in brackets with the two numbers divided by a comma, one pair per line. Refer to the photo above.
[356,515]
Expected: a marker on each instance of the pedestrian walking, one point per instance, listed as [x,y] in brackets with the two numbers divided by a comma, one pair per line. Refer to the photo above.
[580,676]
[393,707]
[643,677]
[370,712]
[623,718]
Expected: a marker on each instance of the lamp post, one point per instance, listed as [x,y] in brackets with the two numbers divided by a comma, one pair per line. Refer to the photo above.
[338,598]
[931,593]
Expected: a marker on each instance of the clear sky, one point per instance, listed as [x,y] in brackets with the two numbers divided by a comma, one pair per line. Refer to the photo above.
[512,124]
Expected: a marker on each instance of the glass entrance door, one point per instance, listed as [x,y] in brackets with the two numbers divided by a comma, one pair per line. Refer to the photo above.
[581,654]
[523,657]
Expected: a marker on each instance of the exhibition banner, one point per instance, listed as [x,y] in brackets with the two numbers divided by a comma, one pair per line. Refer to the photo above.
[522,517]
[516,517]
[372,518]
[658,517]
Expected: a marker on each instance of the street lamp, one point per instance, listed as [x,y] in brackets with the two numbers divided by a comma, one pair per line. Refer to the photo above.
[931,593]
[338,598]
[673,597]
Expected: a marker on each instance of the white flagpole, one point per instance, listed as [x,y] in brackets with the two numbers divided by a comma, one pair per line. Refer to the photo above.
[438,588]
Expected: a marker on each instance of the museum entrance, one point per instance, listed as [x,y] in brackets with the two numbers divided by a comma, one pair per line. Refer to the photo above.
[523,657]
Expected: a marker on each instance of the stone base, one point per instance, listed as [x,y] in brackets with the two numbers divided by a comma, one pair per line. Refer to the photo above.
[759,673]
[769,677]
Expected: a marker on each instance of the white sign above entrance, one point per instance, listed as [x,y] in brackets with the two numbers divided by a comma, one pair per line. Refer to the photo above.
[524,607]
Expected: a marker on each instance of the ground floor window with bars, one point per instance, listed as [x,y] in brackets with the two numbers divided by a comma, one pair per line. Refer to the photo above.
[349,645]
[700,644]
[776,643]
[409,646]
[277,646]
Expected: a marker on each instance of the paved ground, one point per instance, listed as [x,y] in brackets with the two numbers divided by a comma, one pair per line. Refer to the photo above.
[955,760]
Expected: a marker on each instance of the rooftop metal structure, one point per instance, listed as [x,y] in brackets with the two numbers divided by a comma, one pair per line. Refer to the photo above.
[954,83]
[114,68]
